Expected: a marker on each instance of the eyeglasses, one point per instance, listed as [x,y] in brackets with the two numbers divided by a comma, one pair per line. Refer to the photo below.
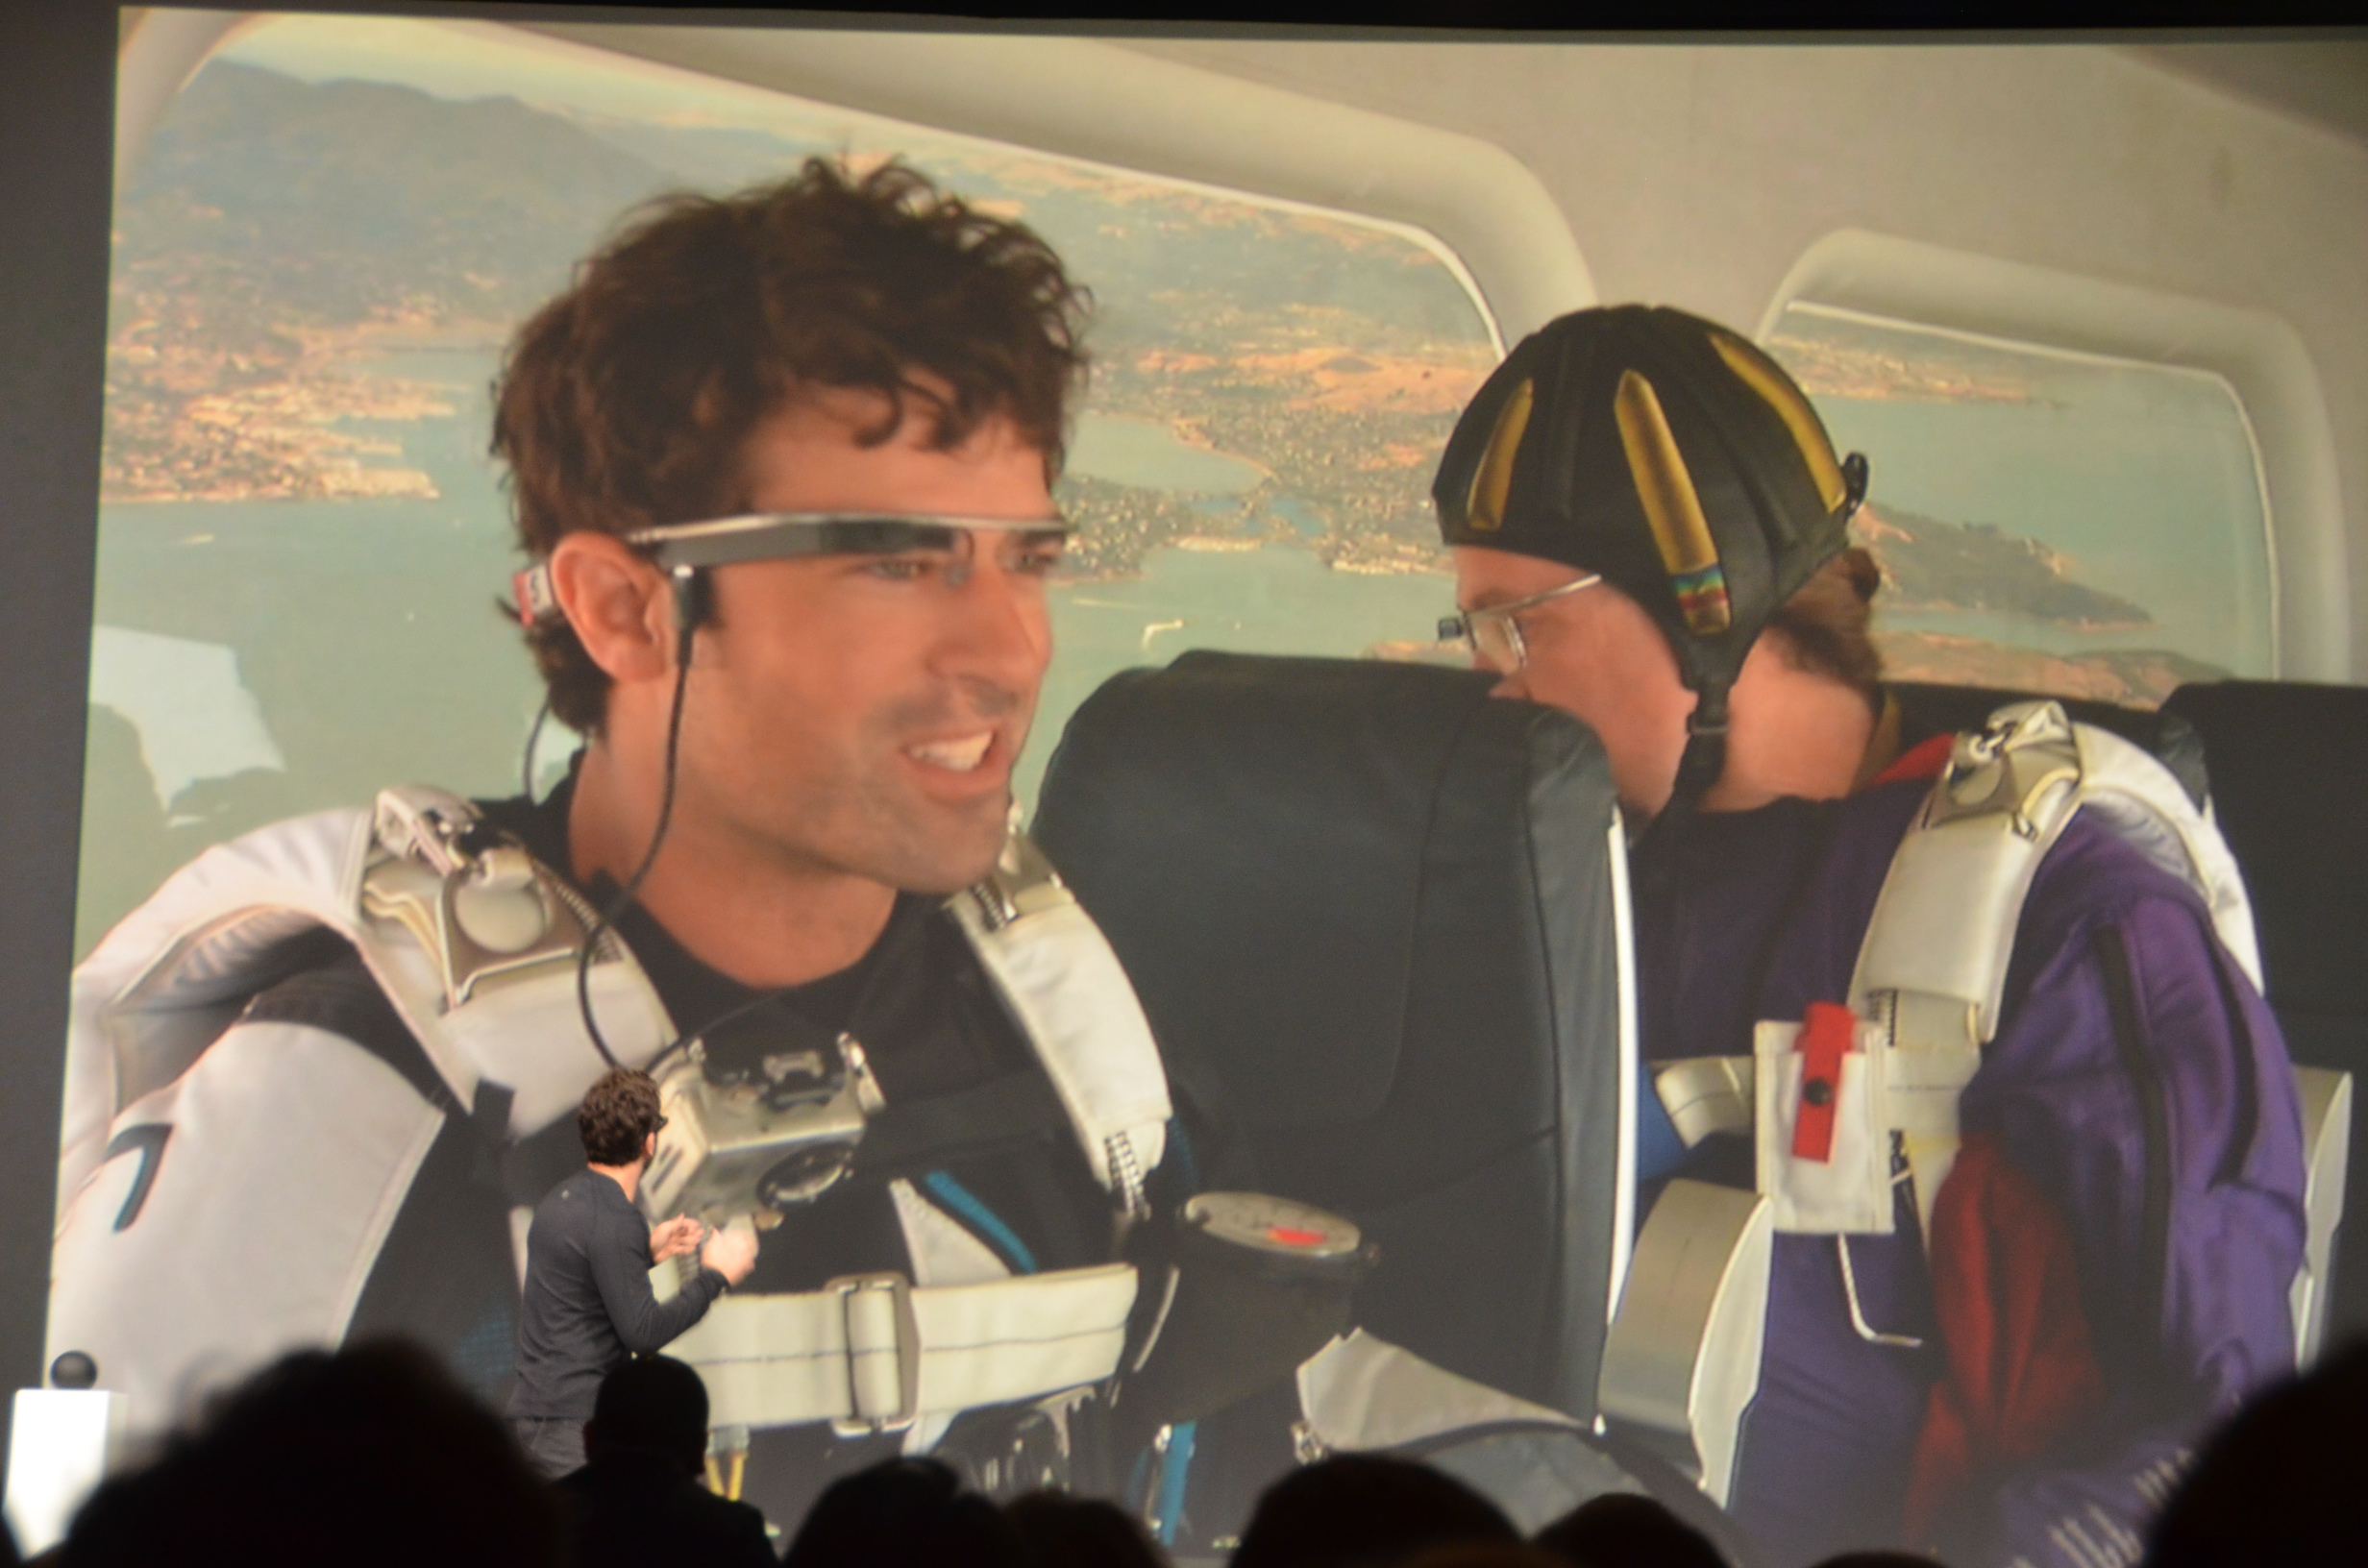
[772,536]
[1493,636]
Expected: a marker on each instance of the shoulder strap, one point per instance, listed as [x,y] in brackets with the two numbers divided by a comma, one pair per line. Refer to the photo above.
[1936,952]
[472,941]
[1933,967]
[1062,983]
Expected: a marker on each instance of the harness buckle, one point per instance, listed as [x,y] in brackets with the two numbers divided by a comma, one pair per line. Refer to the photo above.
[883,1343]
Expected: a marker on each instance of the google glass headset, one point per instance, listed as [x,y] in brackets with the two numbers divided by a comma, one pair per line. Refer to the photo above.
[682,548]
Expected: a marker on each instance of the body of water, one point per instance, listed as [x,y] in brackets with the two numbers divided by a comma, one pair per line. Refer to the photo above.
[2157,504]
[1140,451]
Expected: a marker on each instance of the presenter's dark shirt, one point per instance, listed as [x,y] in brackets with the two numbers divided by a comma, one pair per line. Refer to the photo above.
[589,1307]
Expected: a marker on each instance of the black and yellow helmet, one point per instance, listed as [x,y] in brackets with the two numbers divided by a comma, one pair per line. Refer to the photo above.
[1671,456]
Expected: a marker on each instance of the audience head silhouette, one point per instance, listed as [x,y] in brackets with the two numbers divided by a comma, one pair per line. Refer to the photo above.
[1066,1532]
[651,1404]
[1365,1510]
[905,1511]
[369,1456]
[2282,1482]
[1484,1555]
[1623,1530]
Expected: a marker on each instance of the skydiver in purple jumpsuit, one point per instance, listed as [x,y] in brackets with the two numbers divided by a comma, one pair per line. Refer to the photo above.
[1635,496]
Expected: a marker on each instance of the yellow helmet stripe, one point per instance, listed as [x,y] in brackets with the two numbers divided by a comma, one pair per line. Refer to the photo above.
[1793,409]
[1484,509]
[1672,505]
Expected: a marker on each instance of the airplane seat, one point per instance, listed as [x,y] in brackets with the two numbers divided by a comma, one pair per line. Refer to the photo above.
[1929,707]
[1376,912]
[2289,760]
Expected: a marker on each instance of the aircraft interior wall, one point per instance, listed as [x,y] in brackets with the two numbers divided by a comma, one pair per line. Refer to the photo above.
[1696,175]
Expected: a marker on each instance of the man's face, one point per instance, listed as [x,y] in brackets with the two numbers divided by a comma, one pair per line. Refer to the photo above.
[1595,654]
[861,714]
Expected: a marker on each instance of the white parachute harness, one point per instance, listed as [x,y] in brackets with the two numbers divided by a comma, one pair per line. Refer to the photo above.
[1683,1357]
[477,945]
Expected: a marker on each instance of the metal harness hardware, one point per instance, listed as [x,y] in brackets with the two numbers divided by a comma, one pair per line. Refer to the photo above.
[881,1327]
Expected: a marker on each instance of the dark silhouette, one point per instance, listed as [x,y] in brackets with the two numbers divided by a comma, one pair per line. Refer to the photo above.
[905,1511]
[1880,1560]
[368,1458]
[1484,1555]
[1066,1532]
[1623,1530]
[1363,1511]
[636,1501]
[2281,1482]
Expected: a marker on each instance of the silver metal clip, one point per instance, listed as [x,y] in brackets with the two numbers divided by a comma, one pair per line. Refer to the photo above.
[880,1322]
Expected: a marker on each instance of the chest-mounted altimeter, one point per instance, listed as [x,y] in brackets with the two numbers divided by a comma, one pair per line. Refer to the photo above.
[1254,1286]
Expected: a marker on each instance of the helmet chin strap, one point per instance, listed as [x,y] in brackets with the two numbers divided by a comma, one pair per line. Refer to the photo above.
[1699,769]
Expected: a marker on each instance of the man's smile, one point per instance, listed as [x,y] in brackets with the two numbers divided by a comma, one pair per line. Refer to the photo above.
[959,754]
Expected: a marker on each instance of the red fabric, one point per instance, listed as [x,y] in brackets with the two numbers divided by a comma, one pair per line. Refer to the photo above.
[2021,1373]
[1828,1033]
[1922,761]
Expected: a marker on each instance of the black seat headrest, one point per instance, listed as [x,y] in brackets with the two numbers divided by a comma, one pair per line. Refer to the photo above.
[2289,763]
[1376,908]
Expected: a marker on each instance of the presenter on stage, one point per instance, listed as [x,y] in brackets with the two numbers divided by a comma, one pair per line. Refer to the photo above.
[589,1307]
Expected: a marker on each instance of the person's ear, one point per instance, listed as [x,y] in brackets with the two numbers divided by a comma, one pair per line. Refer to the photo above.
[648,1145]
[619,604]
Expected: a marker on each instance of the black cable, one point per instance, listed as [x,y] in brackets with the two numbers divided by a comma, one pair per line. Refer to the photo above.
[633,886]
[881,959]
[526,765]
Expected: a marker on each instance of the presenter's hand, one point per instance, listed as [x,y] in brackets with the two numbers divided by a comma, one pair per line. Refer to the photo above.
[675,1238]
[731,1252]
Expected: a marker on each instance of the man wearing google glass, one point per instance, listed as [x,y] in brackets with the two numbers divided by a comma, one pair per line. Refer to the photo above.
[782,467]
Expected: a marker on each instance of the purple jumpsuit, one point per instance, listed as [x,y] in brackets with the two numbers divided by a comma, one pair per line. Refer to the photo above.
[2174,1159]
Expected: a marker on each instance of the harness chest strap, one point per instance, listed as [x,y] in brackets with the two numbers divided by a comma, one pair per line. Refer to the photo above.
[878,1352]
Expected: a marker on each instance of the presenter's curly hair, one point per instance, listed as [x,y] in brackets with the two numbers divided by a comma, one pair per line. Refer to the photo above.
[617,1114]
[625,403]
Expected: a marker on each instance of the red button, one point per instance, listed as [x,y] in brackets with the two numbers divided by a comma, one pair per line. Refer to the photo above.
[1294,1239]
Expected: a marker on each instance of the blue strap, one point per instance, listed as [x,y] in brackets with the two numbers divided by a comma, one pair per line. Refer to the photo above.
[964,1203]
[1171,1479]
[1661,1151]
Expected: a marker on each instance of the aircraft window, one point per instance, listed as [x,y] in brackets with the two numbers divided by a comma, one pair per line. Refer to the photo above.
[333,232]
[2048,521]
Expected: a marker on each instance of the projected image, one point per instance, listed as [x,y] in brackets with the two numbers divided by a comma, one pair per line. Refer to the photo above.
[576,881]
[337,225]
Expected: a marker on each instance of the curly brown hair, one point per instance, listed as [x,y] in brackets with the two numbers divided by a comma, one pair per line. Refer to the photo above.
[625,403]
[1822,628]
[618,1114]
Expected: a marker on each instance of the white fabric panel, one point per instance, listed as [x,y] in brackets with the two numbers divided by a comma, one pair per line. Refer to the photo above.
[289,1155]
[942,1251]
[310,863]
[1850,1192]
[527,1034]
[1360,1392]
[2149,809]
[1062,982]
